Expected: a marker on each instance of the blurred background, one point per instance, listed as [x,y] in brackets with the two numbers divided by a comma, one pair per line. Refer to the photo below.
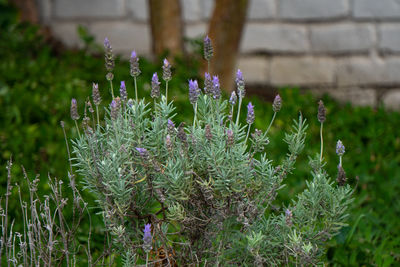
[346,52]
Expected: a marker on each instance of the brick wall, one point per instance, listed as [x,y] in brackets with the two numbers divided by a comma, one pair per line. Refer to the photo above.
[349,48]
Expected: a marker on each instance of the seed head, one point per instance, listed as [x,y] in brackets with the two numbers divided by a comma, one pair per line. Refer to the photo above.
[74,110]
[155,86]
[233,98]
[289,216]
[147,239]
[166,70]
[114,107]
[216,90]
[340,149]
[134,63]
[230,138]
[96,94]
[109,58]
[341,177]
[181,133]
[207,132]
[276,106]
[208,49]
[144,154]
[170,127]
[168,142]
[122,91]
[193,91]
[321,112]
[207,84]
[89,105]
[250,113]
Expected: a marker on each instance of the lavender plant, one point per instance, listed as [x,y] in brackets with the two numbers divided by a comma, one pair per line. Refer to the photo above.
[204,192]
[46,237]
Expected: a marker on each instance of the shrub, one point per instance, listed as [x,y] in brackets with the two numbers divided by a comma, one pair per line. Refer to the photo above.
[202,192]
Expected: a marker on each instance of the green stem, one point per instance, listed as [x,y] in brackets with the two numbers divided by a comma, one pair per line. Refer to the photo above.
[322,141]
[112,89]
[238,114]
[166,90]
[248,132]
[195,115]
[77,128]
[134,78]
[208,66]
[270,124]
[232,112]
[340,160]
[147,259]
[97,113]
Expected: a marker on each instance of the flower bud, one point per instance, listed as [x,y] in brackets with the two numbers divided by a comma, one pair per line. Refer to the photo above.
[74,110]
[276,106]
[122,91]
[166,70]
[250,113]
[321,112]
[207,84]
[155,86]
[208,49]
[233,98]
[147,238]
[134,64]
[240,84]
[96,94]
[340,149]
[193,91]
[216,90]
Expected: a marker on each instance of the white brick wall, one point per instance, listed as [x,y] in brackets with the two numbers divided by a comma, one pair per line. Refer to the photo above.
[348,47]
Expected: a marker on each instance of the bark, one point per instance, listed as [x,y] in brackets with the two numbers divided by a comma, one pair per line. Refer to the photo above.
[166,26]
[225,31]
[28,10]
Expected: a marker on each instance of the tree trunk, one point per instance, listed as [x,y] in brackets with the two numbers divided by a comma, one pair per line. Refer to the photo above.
[166,26]
[28,10]
[225,31]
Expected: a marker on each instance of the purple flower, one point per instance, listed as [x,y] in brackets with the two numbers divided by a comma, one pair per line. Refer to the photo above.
[276,106]
[96,94]
[109,59]
[122,91]
[155,86]
[240,83]
[170,127]
[208,49]
[340,149]
[134,63]
[114,106]
[107,44]
[250,113]
[207,84]
[233,98]
[142,152]
[193,91]
[74,109]
[216,90]
[147,238]
[166,70]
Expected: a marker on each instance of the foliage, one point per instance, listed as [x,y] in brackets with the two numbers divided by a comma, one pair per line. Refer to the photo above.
[206,189]
[37,82]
